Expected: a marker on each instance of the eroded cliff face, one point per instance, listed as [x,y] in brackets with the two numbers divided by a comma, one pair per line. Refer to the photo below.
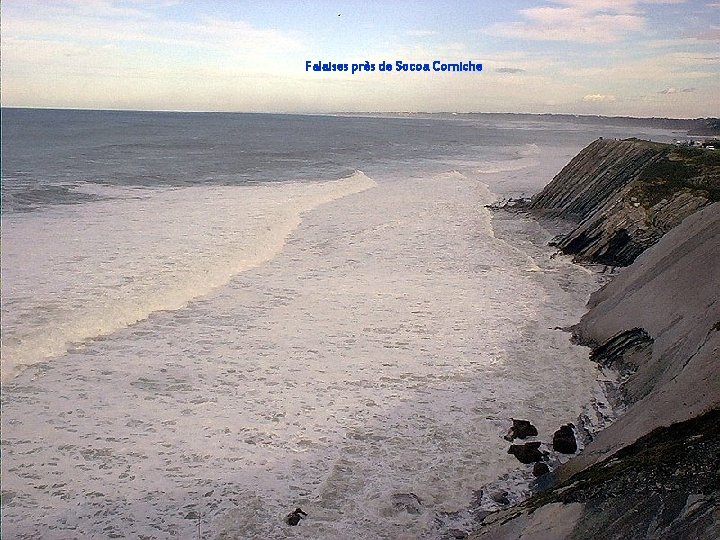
[625,195]
[654,473]
[593,177]
[670,297]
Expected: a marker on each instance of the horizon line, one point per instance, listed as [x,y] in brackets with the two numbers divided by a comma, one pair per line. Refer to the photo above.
[348,113]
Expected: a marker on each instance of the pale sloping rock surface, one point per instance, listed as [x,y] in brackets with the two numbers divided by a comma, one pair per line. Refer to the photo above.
[653,474]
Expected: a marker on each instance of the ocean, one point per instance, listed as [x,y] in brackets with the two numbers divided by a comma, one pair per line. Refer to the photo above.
[211,319]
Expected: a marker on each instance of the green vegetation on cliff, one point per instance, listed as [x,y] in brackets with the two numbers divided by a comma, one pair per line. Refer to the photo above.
[625,195]
[664,485]
[682,168]
[654,473]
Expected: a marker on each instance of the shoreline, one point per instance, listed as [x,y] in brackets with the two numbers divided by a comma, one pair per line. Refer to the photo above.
[653,324]
[335,429]
[531,234]
[529,293]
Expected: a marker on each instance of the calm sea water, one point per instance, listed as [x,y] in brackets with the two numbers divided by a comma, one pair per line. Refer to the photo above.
[211,319]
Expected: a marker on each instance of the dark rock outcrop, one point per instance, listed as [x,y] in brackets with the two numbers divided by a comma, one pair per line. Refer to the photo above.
[540,469]
[663,486]
[625,353]
[618,350]
[294,517]
[526,453]
[500,497]
[521,429]
[564,440]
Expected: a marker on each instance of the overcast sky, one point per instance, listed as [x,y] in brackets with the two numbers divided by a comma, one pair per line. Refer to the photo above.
[616,57]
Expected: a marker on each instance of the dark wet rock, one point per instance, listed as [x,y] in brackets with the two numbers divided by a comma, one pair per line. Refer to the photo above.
[539,469]
[510,204]
[614,352]
[564,440]
[478,514]
[7,496]
[521,429]
[294,517]
[408,502]
[457,534]
[664,485]
[500,497]
[626,352]
[526,453]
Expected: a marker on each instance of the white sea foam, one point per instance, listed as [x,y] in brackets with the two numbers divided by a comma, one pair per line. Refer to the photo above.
[531,149]
[509,159]
[84,271]
[492,167]
[382,352]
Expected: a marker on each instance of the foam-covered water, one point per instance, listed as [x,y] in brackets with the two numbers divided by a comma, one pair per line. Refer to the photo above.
[381,352]
[204,356]
[98,267]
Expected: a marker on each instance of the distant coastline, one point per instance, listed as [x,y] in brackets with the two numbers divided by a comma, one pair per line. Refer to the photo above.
[709,126]
[701,126]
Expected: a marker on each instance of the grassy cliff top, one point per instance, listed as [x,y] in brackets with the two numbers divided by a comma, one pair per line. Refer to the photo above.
[681,168]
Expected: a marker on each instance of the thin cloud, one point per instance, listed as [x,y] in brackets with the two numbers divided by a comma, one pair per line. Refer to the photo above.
[99,21]
[584,21]
[710,35]
[619,6]
[675,43]
[509,70]
[105,9]
[678,65]
[570,24]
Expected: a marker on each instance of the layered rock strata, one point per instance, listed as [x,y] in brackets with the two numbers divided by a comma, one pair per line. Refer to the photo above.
[625,195]
[654,473]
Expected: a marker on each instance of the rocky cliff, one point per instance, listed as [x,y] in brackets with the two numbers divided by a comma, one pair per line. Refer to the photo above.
[664,486]
[625,195]
[670,298]
[655,472]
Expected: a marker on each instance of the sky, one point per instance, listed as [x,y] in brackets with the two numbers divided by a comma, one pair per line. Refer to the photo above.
[608,57]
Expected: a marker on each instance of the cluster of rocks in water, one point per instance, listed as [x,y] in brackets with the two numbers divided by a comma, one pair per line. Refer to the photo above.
[653,473]
[563,442]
